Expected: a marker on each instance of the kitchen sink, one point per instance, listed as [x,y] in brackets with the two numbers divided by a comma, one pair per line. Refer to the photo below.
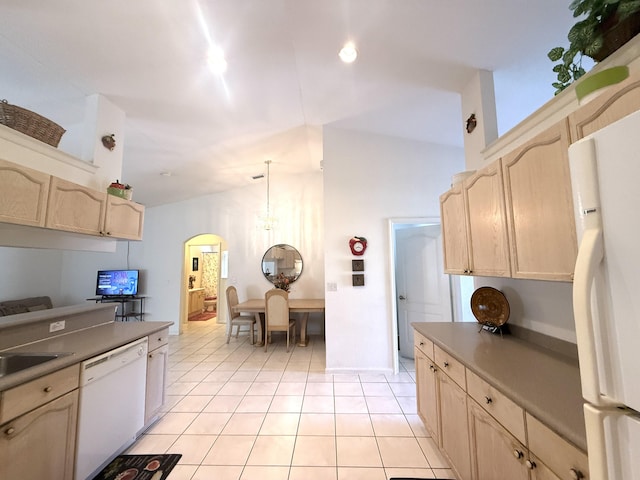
[13,362]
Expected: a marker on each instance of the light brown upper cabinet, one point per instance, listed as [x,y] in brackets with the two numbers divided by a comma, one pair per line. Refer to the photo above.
[474,225]
[454,231]
[617,102]
[23,195]
[75,208]
[542,234]
[486,222]
[123,219]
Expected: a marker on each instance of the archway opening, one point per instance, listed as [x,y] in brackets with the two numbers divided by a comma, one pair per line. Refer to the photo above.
[203,280]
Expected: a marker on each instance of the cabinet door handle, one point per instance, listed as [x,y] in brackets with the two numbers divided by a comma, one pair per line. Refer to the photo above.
[48,389]
[402,297]
[530,464]
[446,364]
[422,344]
[488,400]
[517,453]
[10,431]
[576,474]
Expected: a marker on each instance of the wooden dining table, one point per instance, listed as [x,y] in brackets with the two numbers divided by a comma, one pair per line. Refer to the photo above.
[305,306]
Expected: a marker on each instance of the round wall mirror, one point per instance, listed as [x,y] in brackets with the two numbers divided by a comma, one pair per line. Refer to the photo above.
[282,260]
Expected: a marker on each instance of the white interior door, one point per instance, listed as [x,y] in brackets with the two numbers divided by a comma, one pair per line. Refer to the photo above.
[423,291]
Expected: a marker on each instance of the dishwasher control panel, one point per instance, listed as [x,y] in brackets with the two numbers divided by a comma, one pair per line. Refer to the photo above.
[101,365]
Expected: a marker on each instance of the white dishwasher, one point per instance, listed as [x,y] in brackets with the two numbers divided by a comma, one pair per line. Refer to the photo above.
[111,412]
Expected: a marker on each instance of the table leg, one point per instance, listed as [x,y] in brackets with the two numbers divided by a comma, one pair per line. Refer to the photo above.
[260,324]
[304,341]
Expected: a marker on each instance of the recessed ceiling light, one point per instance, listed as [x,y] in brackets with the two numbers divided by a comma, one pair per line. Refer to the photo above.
[216,61]
[165,174]
[348,53]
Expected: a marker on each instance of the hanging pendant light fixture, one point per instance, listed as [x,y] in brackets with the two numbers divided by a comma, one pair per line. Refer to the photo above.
[268,222]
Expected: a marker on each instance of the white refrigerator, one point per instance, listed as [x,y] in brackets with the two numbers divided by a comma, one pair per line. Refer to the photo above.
[605,177]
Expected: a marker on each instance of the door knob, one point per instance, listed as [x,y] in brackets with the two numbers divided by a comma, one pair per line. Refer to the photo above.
[402,297]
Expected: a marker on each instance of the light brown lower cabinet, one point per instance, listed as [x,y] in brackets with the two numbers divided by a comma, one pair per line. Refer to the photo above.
[495,453]
[157,361]
[41,444]
[442,403]
[196,301]
[482,433]
[427,394]
[454,429]
[539,471]
[552,455]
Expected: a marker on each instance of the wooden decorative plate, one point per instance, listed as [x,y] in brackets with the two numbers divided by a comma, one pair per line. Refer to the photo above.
[490,306]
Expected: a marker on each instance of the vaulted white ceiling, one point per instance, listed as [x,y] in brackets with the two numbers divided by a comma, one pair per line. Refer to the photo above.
[284,80]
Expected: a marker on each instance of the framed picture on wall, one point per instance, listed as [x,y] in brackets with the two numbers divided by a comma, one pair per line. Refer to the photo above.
[194,264]
[357,265]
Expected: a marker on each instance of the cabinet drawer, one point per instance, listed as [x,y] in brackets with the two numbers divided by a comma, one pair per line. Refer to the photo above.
[158,339]
[559,455]
[30,395]
[423,343]
[510,415]
[450,366]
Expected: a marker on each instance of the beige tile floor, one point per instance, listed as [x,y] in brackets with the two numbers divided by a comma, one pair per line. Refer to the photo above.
[236,412]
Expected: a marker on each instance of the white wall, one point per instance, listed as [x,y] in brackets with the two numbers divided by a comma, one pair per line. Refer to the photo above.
[30,272]
[544,307]
[367,180]
[478,99]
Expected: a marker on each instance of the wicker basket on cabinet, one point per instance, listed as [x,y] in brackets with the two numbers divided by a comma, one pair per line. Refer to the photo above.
[30,123]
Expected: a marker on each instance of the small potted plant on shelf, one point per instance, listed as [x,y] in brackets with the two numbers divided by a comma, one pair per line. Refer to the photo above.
[122,190]
[605,27]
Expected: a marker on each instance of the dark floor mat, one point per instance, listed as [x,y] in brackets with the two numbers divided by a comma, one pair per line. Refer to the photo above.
[140,467]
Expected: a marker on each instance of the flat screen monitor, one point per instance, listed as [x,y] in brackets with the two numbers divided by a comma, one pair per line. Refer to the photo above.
[117,283]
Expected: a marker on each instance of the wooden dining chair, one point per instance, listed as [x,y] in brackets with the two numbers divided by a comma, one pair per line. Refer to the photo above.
[276,316]
[235,319]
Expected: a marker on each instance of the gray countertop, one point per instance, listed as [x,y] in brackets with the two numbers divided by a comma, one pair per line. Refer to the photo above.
[544,383]
[81,345]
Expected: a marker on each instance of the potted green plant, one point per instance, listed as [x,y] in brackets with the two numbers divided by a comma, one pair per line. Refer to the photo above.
[605,27]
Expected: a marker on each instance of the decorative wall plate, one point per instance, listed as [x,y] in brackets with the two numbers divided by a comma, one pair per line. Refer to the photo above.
[490,306]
